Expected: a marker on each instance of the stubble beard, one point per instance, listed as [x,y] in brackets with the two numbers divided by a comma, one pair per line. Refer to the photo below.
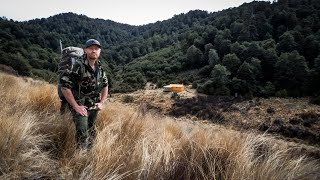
[93,57]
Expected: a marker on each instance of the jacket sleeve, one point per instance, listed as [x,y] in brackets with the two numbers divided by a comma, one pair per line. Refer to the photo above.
[70,78]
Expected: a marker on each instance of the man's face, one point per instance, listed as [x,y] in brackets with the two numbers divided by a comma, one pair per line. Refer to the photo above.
[93,52]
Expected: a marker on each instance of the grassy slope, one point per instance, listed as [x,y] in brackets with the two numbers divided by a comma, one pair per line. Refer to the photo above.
[36,142]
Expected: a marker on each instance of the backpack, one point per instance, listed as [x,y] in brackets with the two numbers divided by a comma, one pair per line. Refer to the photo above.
[70,56]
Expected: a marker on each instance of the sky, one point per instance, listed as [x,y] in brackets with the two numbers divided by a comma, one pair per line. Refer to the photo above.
[134,12]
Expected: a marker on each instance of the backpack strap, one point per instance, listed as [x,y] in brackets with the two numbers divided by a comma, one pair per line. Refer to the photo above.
[82,71]
[99,76]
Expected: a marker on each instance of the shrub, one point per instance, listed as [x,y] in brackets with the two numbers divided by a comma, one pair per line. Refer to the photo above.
[222,91]
[127,99]
[282,93]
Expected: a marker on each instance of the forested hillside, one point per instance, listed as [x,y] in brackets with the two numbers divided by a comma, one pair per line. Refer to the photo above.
[259,48]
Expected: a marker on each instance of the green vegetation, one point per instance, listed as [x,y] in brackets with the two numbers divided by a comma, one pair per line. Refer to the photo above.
[259,48]
[37,142]
[127,99]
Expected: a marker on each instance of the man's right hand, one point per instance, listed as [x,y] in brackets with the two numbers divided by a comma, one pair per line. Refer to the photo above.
[67,93]
[81,110]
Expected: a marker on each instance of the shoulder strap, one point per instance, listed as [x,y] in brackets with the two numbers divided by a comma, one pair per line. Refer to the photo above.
[80,61]
[98,75]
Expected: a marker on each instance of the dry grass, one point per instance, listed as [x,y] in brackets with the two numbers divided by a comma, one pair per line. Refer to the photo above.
[36,142]
[21,148]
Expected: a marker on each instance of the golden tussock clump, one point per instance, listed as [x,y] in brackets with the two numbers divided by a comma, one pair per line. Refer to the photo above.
[37,142]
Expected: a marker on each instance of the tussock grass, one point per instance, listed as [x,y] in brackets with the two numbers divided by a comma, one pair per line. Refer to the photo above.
[43,98]
[22,156]
[37,142]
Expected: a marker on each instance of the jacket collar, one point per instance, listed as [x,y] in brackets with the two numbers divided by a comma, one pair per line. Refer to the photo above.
[97,64]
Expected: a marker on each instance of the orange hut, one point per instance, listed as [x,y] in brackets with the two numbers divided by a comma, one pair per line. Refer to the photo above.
[174,87]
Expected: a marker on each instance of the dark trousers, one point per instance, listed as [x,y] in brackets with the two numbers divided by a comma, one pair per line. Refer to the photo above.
[85,128]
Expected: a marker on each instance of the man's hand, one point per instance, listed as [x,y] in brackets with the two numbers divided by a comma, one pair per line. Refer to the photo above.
[67,93]
[99,106]
[81,110]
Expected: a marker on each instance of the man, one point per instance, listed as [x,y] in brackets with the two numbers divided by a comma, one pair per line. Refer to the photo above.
[85,88]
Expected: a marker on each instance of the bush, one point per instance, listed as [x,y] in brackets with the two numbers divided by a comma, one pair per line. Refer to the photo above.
[205,71]
[194,85]
[315,100]
[282,93]
[222,91]
[269,89]
[44,75]
[127,99]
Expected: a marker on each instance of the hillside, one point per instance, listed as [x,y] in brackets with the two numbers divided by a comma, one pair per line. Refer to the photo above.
[38,143]
[257,49]
[291,119]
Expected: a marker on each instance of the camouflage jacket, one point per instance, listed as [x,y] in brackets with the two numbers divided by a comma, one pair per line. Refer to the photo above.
[85,83]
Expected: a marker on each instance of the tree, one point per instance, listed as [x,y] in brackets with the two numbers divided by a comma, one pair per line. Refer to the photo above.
[191,36]
[211,33]
[269,44]
[236,28]
[19,63]
[286,43]
[291,72]
[253,50]
[239,50]
[194,56]
[244,35]
[206,87]
[220,75]
[317,64]
[257,33]
[199,43]
[246,72]
[135,52]
[310,49]
[253,32]
[257,70]
[283,21]
[239,86]
[314,78]
[207,48]
[268,62]
[213,58]
[128,53]
[221,44]
[261,23]
[269,89]
[218,82]
[231,62]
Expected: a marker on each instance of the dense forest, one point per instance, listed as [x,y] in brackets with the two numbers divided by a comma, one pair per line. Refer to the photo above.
[257,49]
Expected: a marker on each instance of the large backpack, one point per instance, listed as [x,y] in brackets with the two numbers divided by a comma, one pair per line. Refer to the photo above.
[70,56]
